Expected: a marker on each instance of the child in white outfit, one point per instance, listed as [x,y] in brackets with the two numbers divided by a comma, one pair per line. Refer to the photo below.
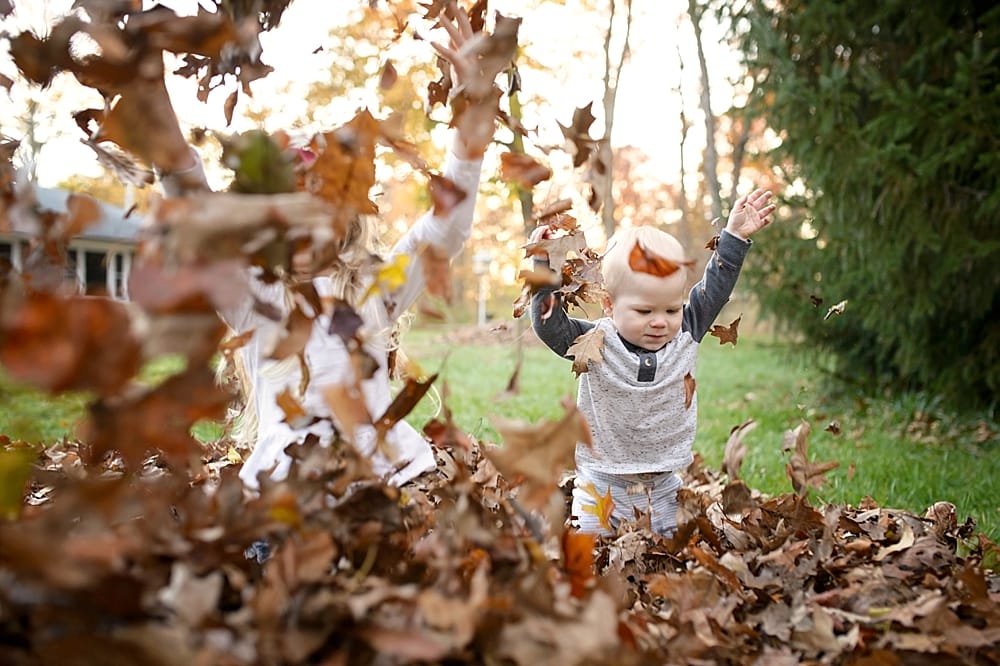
[405,453]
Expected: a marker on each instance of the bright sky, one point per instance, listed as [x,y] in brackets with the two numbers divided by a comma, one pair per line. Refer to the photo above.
[563,36]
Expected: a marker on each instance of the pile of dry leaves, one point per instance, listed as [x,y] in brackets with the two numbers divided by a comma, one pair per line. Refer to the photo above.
[103,566]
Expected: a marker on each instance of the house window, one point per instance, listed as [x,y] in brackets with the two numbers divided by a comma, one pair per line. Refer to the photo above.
[12,251]
[96,277]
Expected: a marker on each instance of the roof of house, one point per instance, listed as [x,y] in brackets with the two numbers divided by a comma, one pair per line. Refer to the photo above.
[113,225]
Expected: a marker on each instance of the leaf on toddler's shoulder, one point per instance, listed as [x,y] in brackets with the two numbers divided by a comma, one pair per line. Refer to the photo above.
[585,349]
[727,333]
[603,506]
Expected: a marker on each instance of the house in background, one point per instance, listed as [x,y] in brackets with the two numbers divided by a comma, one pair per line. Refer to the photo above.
[100,257]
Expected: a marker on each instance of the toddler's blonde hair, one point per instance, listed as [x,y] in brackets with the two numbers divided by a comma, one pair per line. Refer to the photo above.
[615,265]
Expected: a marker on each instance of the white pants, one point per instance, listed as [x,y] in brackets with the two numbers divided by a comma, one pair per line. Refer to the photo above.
[654,493]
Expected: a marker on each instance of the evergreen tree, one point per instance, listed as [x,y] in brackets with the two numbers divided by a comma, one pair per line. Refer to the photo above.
[888,116]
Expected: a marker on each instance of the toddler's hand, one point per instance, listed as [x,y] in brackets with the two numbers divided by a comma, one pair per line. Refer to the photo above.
[540,233]
[750,214]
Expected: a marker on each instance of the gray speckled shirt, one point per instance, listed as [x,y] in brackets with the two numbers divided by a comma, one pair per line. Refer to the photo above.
[634,399]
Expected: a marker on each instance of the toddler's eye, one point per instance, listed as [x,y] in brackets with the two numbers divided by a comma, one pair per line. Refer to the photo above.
[643,312]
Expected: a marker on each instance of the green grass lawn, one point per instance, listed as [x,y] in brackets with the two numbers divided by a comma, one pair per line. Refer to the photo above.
[886,449]
[899,451]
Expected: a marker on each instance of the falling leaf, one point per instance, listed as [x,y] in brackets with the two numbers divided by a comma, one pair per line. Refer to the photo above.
[712,243]
[436,267]
[578,134]
[727,333]
[815,300]
[297,331]
[689,388]
[156,418]
[603,507]
[389,76]
[348,406]
[343,172]
[538,454]
[82,212]
[62,344]
[412,392]
[230,106]
[522,169]
[540,278]
[833,427]
[837,309]
[736,450]
[261,162]
[295,415]
[345,322]
[578,560]
[586,349]
[390,277]
[445,195]
[642,260]
[803,473]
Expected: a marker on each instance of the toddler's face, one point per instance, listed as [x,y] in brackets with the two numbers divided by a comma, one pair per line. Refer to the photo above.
[648,310]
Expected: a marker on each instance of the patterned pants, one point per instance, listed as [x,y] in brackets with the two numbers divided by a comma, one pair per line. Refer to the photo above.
[653,493]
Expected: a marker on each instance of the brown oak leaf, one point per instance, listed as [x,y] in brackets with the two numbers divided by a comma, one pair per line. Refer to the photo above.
[803,473]
[727,333]
[587,348]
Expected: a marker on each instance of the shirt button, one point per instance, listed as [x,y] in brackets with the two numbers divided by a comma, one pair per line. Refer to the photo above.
[648,362]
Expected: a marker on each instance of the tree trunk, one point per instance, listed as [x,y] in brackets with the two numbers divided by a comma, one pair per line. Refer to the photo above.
[739,151]
[711,155]
[682,197]
[612,75]
[524,195]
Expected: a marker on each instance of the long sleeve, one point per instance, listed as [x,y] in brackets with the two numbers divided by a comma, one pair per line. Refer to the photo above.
[710,295]
[550,322]
[447,234]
